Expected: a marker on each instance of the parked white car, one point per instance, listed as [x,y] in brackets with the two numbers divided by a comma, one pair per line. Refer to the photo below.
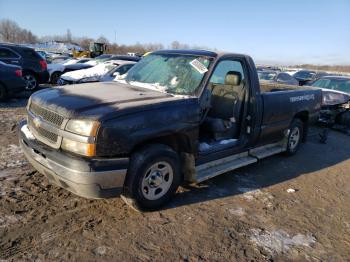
[95,73]
[57,69]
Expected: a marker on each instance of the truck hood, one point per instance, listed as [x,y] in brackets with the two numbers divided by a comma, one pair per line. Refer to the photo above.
[99,100]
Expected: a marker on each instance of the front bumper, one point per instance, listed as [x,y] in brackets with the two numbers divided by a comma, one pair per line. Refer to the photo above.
[90,178]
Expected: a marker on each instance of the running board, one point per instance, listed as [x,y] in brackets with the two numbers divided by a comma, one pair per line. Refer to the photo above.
[267,150]
[221,166]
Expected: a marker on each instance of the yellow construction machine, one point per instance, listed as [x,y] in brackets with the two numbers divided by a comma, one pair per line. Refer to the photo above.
[95,49]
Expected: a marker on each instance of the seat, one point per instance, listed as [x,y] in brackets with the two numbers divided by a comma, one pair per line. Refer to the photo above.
[223,119]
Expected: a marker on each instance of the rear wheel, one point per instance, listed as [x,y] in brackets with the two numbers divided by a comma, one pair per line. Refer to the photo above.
[153,177]
[295,136]
[31,81]
[3,93]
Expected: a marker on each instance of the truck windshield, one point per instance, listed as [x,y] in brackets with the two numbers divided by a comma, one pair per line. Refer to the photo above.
[176,74]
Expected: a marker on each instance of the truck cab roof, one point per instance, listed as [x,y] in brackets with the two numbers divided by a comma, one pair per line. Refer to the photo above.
[198,52]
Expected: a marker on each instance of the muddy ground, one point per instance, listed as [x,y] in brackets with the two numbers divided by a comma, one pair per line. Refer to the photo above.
[282,209]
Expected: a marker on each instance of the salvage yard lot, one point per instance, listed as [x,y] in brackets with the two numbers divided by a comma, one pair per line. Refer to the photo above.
[244,215]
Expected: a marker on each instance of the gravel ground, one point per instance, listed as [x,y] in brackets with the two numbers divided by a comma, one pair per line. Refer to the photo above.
[282,208]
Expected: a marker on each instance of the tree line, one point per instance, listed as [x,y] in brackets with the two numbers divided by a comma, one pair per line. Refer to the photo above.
[11,32]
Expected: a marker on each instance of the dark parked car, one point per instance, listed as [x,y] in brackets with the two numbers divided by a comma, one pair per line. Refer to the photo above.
[77,66]
[338,83]
[34,67]
[277,77]
[335,110]
[178,115]
[124,57]
[11,81]
[306,77]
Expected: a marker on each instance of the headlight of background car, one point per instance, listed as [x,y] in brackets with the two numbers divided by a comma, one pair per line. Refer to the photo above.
[83,127]
[78,147]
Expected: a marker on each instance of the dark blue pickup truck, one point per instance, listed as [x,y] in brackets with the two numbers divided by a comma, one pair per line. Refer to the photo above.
[178,116]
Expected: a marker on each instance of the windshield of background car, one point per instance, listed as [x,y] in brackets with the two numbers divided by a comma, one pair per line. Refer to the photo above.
[266,75]
[177,74]
[342,85]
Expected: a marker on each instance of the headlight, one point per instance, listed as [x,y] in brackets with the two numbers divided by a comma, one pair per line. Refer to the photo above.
[83,127]
[78,147]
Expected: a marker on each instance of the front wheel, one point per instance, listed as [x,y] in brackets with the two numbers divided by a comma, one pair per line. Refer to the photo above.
[153,177]
[295,136]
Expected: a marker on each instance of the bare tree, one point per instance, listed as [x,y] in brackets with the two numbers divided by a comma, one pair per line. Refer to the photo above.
[102,39]
[9,30]
[178,45]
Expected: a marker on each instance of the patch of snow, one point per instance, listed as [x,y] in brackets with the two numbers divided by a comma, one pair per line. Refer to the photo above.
[95,71]
[70,61]
[291,190]
[9,219]
[204,146]
[279,241]
[91,62]
[11,157]
[252,193]
[227,141]
[100,250]
[237,211]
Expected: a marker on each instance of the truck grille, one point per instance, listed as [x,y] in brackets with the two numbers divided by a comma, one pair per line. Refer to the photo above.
[47,115]
[42,132]
[47,129]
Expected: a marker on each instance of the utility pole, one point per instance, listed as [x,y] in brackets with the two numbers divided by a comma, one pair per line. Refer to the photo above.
[115,36]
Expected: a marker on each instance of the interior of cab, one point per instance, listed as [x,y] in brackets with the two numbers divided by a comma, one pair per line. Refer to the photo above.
[222,123]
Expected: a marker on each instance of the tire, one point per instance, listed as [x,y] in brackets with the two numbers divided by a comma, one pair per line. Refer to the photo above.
[153,177]
[54,77]
[31,81]
[3,93]
[295,136]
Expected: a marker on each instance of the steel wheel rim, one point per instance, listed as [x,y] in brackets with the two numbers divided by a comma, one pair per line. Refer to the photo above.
[294,138]
[157,180]
[30,82]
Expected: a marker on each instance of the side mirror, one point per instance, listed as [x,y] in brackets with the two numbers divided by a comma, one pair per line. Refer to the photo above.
[116,74]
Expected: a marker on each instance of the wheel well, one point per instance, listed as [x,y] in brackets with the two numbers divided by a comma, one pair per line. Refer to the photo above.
[178,142]
[3,85]
[304,117]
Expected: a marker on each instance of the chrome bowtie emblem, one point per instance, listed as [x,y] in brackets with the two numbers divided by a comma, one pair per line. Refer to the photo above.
[36,122]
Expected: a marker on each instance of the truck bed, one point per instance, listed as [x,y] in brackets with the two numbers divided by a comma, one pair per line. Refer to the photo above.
[266,87]
[281,103]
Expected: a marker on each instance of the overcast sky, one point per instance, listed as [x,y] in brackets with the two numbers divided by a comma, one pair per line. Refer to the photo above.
[298,31]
